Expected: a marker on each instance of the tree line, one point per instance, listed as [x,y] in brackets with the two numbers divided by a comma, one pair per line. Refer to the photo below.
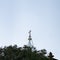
[24,53]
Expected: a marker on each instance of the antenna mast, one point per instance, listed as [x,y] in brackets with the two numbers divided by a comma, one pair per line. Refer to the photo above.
[30,43]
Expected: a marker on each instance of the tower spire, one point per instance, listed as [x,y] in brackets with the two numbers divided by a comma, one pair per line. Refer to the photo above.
[30,43]
[29,35]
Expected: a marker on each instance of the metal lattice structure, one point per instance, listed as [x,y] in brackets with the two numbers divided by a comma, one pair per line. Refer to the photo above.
[30,42]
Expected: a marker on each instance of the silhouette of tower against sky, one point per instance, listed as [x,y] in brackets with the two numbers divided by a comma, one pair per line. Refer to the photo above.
[30,42]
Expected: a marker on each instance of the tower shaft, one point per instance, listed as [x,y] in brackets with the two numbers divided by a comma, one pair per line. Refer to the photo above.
[30,43]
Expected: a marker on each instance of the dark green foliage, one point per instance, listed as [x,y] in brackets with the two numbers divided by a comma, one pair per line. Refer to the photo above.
[22,53]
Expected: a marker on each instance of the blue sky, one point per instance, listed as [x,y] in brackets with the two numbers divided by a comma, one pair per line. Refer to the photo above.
[17,17]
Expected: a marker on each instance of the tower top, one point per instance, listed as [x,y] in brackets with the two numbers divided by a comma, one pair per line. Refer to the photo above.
[30,42]
[29,35]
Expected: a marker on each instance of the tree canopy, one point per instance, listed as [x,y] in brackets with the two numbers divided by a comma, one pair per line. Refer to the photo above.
[23,53]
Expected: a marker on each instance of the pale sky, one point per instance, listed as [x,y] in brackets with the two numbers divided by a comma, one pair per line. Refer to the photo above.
[17,17]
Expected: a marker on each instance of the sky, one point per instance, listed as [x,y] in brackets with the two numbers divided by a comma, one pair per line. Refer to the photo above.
[42,17]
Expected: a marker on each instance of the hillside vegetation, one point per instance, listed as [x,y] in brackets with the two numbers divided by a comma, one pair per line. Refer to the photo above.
[24,53]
